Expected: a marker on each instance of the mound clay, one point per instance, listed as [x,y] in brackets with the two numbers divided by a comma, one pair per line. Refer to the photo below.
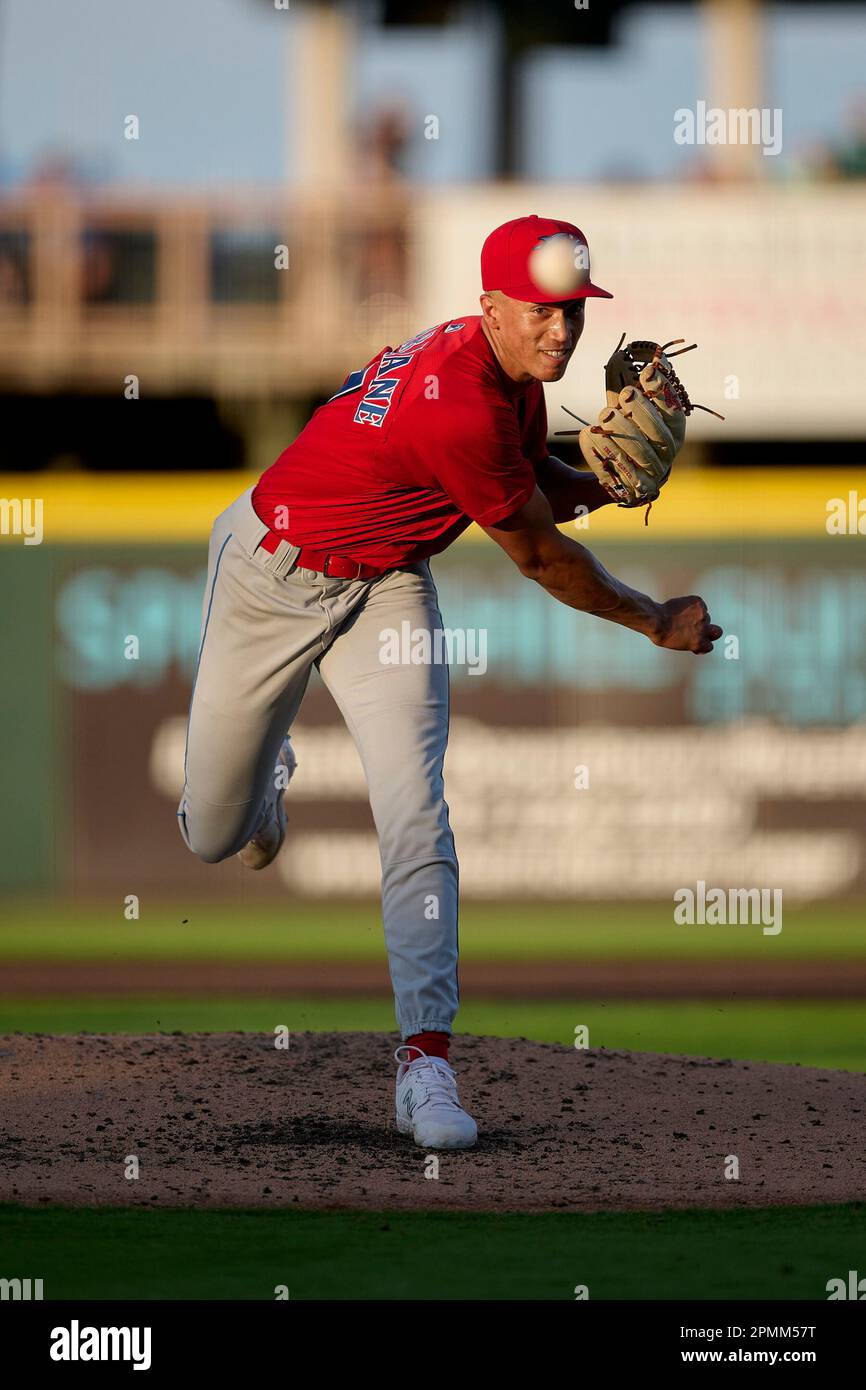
[231,1120]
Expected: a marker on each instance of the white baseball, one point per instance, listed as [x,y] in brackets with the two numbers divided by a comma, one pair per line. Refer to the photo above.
[558,265]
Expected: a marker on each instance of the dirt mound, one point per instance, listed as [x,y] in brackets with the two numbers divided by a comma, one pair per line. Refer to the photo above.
[231,1120]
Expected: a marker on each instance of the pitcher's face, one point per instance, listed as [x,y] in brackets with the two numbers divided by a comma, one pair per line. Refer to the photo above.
[532,341]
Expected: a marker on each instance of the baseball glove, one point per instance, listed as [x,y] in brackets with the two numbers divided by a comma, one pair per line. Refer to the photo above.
[638,435]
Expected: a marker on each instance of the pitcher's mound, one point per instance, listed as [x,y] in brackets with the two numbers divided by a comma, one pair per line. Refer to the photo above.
[232,1120]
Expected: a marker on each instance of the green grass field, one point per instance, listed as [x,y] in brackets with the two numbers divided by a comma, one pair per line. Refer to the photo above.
[817,1034]
[781,1253]
[131,1254]
[77,931]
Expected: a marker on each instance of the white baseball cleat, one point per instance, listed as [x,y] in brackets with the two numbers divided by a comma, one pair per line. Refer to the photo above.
[264,847]
[427,1104]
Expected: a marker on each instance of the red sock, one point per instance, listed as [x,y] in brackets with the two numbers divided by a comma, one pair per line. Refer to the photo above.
[434,1044]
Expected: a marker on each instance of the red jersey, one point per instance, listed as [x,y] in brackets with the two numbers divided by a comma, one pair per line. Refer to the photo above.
[424,440]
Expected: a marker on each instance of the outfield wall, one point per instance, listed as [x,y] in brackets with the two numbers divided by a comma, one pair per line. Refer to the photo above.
[574,743]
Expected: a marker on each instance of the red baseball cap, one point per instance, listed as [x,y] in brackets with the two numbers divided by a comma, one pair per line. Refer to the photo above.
[515,254]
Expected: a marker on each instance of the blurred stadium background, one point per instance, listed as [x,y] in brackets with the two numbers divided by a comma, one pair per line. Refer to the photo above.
[153,361]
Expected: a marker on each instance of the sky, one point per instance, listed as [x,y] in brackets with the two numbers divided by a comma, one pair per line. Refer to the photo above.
[208,80]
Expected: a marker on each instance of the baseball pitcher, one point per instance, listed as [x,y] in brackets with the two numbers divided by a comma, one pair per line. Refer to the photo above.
[333,545]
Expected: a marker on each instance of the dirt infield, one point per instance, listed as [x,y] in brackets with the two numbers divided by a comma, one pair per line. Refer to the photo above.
[231,1120]
[590,978]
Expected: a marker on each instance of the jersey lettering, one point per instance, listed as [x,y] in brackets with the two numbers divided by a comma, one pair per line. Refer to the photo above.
[381,388]
[371,412]
[380,392]
[412,344]
[392,361]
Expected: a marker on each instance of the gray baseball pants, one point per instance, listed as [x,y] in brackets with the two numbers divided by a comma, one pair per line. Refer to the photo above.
[265,624]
